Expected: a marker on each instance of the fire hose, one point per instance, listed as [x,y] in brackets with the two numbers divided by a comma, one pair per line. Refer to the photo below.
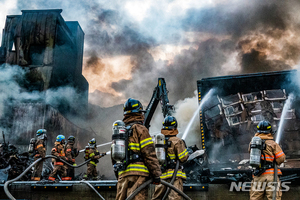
[172,180]
[8,194]
[92,188]
[275,181]
[162,182]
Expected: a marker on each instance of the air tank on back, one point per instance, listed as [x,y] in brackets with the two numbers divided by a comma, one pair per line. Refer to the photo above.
[118,143]
[159,148]
[255,152]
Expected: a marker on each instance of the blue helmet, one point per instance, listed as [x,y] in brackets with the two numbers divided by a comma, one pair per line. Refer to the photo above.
[59,138]
[41,131]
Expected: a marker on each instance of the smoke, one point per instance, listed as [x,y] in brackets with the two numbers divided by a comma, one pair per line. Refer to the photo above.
[261,35]
[129,44]
[12,77]
[180,41]
[9,88]
[184,111]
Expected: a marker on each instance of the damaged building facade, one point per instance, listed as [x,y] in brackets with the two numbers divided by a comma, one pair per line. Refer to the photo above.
[50,50]
[229,120]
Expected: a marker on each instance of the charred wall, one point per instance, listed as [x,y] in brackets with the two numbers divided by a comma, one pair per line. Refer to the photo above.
[49,47]
[228,121]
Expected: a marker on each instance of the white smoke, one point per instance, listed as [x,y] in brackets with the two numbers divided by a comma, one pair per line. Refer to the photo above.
[11,76]
[184,112]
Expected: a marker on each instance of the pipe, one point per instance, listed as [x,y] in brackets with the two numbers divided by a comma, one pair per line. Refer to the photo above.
[175,189]
[8,194]
[172,181]
[275,182]
[162,182]
[82,150]
[92,188]
[17,178]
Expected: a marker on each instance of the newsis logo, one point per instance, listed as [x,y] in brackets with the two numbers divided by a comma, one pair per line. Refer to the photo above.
[258,186]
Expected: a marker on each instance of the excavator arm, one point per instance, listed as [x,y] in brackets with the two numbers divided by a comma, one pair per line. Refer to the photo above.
[160,94]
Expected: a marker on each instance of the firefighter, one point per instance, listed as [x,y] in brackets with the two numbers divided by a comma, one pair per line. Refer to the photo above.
[40,152]
[142,161]
[71,153]
[175,151]
[271,154]
[92,152]
[59,167]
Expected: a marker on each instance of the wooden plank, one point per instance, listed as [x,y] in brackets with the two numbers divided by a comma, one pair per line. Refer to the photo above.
[47,37]
[50,36]
[40,28]
[25,34]
[33,25]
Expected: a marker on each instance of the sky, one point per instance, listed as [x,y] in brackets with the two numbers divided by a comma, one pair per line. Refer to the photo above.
[131,43]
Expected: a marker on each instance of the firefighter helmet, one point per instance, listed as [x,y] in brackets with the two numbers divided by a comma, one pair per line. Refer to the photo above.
[40,132]
[60,138]
[264,127]
[71,138]
[170,122]
[132,106]
[92,142]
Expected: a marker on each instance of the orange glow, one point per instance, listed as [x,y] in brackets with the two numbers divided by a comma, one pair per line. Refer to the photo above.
[275,45]
[105,71]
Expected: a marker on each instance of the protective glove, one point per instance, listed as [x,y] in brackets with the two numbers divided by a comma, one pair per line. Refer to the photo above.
[156,181]
[74,164]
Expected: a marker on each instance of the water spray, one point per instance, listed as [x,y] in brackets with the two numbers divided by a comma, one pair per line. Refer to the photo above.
[206,97]
[283,115]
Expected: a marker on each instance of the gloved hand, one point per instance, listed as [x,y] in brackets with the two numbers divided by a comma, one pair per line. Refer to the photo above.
[156,181]
[74,164]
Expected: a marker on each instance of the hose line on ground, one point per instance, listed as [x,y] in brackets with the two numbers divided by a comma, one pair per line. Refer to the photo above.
[172,180]
[92,188]
[162,182]
[8,194]
[275,181]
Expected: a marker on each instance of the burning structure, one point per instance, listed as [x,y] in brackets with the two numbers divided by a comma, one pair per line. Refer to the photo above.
[51,48]
[49,51]
[228,121]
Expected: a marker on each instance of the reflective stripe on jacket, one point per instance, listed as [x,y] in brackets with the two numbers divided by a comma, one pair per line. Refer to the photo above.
[91,153]
[273,152]
[40,148]
[271,171]
[169,174]
[140,143]
[58,151]
[135,168]
[177,150]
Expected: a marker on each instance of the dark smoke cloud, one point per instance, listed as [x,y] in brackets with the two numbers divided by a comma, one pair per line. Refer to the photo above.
[242,23]
[110,34]
[250,31]
[244,28]
[256,61]
[238,20]
[181,76]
